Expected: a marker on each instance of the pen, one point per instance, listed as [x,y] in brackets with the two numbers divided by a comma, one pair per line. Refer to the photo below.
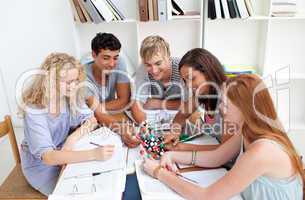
[92,174]
[96,144]
[191,137]
[180,175]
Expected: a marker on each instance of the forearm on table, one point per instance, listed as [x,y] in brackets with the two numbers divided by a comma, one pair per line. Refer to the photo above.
[61,157]
[201,159]
[117,104]
[195,147]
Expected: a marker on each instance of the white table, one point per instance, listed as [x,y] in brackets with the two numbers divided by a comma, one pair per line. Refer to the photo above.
[134,153]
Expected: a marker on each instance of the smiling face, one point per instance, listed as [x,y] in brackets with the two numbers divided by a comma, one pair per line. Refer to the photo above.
[69,79]
[106,59]
[195,80]
[158,67]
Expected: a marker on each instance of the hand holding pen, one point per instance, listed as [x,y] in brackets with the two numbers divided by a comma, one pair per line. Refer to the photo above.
[102,152]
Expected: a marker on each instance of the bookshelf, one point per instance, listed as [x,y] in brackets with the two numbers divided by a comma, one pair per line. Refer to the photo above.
[266,42]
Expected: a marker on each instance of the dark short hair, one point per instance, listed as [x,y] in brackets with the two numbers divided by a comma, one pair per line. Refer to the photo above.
[206,63]
[106,41]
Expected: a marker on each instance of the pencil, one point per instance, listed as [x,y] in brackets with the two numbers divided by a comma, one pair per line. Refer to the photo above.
[96,144]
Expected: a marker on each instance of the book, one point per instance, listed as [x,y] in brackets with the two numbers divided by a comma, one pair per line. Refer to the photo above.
[232,10]
[217,9]
[249,7]
[169,10]
[79,11]
[143,10]
[176,9]
[115,7]
[102,8]
[95,16]
[75,15]
[155,9]
[225,7]
[115,14]
[152,188]
[162,10]
[211,9]
[88,18]
[81,182]
[236,8]
[150,10]
[242,9]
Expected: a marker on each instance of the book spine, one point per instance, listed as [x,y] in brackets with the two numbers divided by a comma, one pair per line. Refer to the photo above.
[217,9]
[242,8]
[75,15]
[236,9]
[116,9]
[211,9]
[162,10]
[87,16]
[92,11]
[103,10]
[155,8]
[79,12]
[225,9]
[150,10]
[231,9]
[143,10]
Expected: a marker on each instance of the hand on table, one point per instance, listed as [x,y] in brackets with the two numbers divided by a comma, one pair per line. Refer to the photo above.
[128,136]
[103,153]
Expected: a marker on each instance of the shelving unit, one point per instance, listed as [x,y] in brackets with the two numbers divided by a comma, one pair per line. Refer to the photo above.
[266,42]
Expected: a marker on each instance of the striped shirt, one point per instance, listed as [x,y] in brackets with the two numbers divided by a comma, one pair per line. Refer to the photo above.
[148,87]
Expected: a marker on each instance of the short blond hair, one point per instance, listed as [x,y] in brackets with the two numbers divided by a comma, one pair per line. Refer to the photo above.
[153,45]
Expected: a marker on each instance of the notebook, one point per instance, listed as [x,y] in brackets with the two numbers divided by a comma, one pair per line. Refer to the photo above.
[151,188]
[77,182]
[101,136]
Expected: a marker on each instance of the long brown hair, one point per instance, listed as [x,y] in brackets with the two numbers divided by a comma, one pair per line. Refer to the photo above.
[253,104]
[205,62]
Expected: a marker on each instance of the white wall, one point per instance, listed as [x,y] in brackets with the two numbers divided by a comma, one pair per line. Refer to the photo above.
[30,30]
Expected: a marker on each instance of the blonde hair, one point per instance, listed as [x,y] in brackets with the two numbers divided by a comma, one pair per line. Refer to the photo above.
[38,92]
[153,45]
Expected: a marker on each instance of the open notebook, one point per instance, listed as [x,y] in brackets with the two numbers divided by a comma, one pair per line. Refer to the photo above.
[77,182]
[151,188]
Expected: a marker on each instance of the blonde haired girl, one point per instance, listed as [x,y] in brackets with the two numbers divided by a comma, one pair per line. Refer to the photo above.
[52,107]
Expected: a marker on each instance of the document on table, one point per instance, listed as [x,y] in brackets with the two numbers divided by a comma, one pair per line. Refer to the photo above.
[151,188]
[103,136]
[77,180]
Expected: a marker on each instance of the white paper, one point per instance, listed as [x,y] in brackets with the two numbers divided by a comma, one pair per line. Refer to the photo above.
[102,137]
[76,181]
[153,189]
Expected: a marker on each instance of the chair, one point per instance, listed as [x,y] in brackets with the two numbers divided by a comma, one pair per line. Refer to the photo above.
[15,185]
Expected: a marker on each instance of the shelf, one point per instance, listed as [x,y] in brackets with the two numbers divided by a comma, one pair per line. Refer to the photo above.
[297,17]
[257,18]
[115,21]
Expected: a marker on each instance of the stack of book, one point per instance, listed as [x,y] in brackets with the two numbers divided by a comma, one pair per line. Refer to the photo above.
[284,8]
[235,70]
[163,10]
[227,9]
[96,11]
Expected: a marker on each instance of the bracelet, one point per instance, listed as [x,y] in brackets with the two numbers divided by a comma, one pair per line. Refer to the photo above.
[194,155]
[156,171]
